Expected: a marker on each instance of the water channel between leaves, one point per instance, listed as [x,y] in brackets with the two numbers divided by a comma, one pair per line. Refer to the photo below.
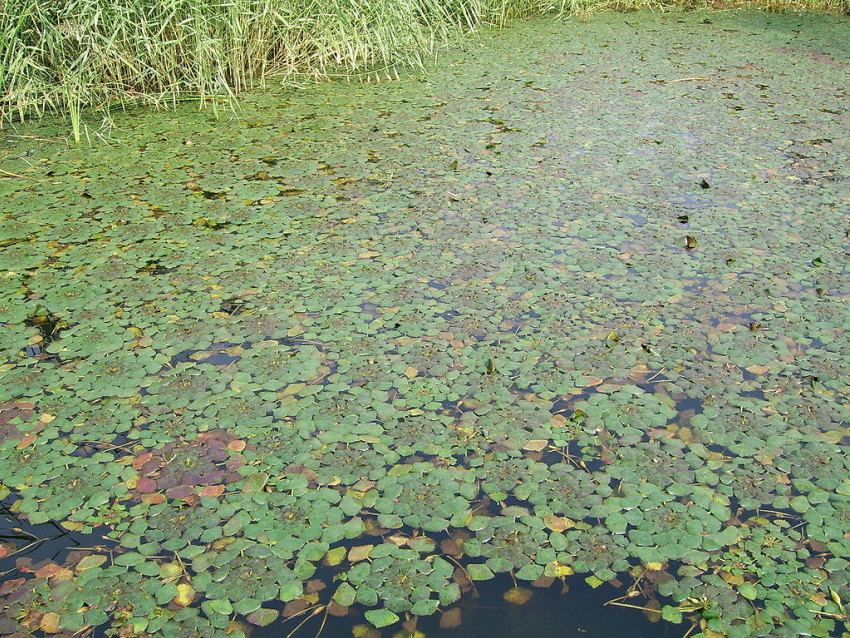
[568,309]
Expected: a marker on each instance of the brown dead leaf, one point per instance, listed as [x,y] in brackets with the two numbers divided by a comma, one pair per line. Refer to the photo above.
[451,618]
[212,491]
[536,445]
[757,369]
[49,623]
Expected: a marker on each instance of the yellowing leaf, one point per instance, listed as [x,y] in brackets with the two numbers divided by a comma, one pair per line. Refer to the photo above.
[536,445]
[222,542]
[368,254]
[91,561]
[293,388]
[757,369]
[49,623]
[818,598]
[685,434]
[652,610]
[557,570]
[558,421]
[517,595]
[168,571]
[732,579]
[410,372]
[185,595]
[255,483]
[62,575]
[365,631]
[237,445]
[334,557]
[558,523]
[361,552]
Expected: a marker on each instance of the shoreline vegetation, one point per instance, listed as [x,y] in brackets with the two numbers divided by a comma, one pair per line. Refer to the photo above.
[93,56]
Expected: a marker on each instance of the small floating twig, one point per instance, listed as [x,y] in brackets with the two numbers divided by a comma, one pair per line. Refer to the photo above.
[30,137]
[614,602]
[829,615]
[43,181]
[680,80]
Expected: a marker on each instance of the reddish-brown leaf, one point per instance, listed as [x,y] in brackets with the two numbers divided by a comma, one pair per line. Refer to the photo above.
[146,485]
[212,490]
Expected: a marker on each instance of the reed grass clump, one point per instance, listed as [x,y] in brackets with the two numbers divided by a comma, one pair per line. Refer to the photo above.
[72,56]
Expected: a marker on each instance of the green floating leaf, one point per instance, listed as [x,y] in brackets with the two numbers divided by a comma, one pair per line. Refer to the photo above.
[671,614]
[530,572]
[165,593]
[217,606]
[255,483]
[72,621]
[747,590]
[479,572]
[291,590]
[95,617]
[425,607]
[246,606]
[262,617]
[367,596]
[800,504]
[88,562]
[129,559]
[345,595]
[314,551]
[594,581]
[381,617]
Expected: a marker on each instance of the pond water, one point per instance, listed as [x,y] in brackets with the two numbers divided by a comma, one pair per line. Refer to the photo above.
[567,310]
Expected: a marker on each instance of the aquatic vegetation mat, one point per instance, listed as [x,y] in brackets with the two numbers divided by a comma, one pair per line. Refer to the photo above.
[572,305]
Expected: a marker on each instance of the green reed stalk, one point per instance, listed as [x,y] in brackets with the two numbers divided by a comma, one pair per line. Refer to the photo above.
[71,55]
